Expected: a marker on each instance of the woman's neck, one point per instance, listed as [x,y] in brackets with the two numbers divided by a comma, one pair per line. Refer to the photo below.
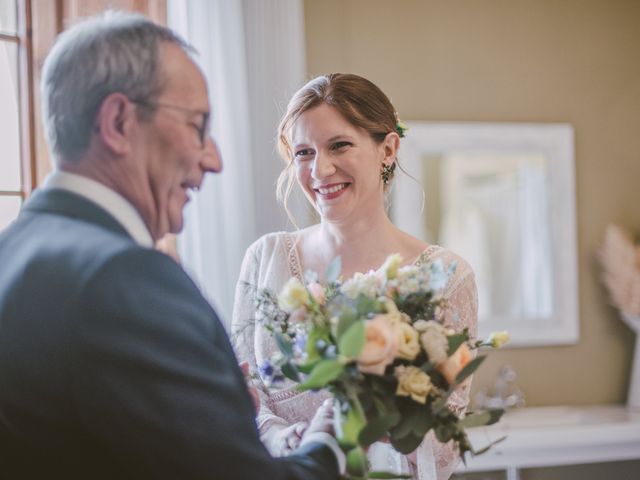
[362,245]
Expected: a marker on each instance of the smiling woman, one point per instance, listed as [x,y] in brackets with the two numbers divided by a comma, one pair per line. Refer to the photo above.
[339,140]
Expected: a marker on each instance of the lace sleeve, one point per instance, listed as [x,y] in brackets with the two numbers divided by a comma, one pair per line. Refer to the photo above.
[462,311]
[243,328]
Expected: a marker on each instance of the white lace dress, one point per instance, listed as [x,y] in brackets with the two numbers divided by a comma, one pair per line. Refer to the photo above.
[269,263]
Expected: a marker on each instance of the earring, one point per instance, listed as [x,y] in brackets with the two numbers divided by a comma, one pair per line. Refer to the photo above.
[387,172]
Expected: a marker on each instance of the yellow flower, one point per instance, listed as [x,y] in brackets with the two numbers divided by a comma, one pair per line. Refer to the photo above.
[293,296]
[408,344]
[391,265]
[413,382]
[497,339]
[380,346]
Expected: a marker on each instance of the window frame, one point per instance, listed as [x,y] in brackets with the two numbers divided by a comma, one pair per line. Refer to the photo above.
[22,40]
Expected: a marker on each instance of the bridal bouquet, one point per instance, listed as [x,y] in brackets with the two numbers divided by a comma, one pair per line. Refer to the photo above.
[376,343]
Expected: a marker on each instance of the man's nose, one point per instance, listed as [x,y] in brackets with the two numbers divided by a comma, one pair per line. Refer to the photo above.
[323,166]
[211,158]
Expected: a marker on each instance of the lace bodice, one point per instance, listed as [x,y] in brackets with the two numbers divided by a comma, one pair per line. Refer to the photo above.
[269,263]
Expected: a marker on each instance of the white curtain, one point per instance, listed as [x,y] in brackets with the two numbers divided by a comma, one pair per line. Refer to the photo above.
[252,53]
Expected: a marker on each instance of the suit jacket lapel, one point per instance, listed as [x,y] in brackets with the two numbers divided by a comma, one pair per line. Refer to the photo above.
[61,202]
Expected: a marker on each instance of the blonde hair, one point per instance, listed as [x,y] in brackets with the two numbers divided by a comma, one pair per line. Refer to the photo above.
[357,99]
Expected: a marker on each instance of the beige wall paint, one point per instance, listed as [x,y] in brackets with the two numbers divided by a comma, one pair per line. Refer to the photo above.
[575,61]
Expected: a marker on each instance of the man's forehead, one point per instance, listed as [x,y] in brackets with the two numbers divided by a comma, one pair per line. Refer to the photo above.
[183,78]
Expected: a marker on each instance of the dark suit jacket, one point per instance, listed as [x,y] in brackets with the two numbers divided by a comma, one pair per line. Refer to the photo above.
[113,365]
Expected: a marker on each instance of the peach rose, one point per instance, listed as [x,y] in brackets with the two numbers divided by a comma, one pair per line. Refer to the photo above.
[452,366]
[380,346]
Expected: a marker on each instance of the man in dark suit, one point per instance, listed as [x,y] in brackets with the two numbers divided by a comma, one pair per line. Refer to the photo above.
[112,364]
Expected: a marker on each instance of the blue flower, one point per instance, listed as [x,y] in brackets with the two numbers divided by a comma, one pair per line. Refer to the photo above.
[266,370]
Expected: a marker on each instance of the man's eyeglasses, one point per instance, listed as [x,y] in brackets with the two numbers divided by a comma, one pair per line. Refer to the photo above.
[203,128]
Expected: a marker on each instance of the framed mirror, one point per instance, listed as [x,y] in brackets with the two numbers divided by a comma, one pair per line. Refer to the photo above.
[502,196]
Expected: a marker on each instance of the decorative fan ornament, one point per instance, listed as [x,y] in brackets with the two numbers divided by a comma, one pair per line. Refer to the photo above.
[620,259]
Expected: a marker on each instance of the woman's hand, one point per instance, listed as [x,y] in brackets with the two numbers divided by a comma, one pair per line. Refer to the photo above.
[288,439]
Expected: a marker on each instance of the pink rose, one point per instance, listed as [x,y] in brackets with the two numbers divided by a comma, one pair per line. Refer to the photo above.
[452,366]
[317,292]
[380,346]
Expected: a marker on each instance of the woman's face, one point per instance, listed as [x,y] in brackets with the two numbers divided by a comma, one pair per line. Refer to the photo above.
[338,165]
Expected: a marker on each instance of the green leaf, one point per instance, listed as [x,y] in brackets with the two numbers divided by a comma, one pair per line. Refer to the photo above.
[422,423]
[469,368]
[351,342]
[455,341]
[475,420]
[285,346]
[356,461]
[312,352]
[333,270]
[308,366]
[366,305]
[406,444]
[324,372]
[387,475]
[445,432]
[484,449]
[376,428]
[351,427]
[345,320]
[289,371]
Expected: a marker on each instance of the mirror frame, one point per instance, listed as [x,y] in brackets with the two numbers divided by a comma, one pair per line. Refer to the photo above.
[556,142]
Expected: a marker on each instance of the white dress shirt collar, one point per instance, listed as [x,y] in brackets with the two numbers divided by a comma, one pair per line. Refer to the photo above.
[114,203]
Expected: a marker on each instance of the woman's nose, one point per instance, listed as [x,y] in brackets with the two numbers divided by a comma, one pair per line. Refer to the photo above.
[323,167]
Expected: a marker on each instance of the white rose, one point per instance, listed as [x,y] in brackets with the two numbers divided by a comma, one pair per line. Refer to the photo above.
[434,341]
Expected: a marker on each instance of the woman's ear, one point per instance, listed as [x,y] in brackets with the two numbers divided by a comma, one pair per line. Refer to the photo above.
[391,144]
[115,120]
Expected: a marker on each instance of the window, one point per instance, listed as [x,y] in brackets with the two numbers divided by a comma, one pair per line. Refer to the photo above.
[15,158]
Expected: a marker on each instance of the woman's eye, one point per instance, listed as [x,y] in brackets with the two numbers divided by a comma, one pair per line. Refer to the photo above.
[305,152]
[340,145]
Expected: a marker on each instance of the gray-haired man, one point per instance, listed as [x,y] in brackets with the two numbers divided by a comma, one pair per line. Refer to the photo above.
[112,364]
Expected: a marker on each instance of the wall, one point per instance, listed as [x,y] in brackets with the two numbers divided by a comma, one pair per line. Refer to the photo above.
[569,61]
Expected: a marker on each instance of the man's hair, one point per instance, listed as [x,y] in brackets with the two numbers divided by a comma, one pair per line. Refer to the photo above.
[108,53]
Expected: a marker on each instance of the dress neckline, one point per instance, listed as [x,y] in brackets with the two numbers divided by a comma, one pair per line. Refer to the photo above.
[295,264]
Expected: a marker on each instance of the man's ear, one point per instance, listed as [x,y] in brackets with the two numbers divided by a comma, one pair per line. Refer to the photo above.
[115,120]
[391,144]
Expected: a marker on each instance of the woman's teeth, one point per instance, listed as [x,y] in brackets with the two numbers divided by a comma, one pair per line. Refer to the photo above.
[335,188]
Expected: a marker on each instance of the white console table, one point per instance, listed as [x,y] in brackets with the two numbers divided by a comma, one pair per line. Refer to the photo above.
[555,436]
